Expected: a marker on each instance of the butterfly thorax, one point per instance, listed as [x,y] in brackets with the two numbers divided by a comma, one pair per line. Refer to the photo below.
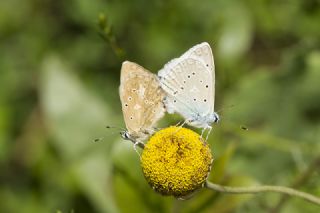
[203,121]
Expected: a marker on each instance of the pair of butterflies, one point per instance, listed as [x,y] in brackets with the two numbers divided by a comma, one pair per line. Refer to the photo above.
[185,85]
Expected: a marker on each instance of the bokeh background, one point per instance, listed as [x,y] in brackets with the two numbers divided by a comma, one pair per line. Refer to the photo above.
[59,76]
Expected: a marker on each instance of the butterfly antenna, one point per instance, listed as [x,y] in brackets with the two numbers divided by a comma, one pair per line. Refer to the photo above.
[112,133]
[244,128]
[224,108]
[115,127]
[98,139]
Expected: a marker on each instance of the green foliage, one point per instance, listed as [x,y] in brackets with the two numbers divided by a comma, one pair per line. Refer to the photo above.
[60,65]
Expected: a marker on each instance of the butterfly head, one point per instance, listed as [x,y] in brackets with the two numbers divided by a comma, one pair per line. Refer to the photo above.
[212,118]
[125,135]
[215,118]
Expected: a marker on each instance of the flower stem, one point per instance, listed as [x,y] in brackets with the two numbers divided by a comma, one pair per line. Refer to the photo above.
[259,189]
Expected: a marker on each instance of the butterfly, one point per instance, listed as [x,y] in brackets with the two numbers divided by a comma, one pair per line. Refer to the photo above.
[189,83]
[142,101]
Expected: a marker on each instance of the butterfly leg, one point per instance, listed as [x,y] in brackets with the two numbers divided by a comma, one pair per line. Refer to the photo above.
[135,144]
[210,128]
[179,126]
[183,123]
[203,130]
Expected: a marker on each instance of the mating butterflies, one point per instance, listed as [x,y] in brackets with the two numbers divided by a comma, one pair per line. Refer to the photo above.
[185,85]
[189,85]
[142,101]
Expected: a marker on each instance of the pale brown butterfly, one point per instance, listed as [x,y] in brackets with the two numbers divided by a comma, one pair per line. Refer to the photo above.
[142,101]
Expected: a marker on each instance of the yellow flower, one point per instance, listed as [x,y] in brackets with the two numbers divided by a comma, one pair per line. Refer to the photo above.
[176,161]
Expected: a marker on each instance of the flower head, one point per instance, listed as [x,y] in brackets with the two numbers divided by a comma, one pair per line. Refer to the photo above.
[176,161]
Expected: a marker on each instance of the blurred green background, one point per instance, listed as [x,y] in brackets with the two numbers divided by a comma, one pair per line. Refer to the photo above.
[59,78]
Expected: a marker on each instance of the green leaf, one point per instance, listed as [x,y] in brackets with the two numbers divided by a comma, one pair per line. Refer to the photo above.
[236,33]
[220,164]
[74,117]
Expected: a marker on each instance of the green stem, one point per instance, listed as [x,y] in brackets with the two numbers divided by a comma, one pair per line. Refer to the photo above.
[259,189]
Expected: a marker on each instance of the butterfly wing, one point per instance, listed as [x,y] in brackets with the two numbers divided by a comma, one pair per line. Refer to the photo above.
[189,86]
[141,98]
[203,53]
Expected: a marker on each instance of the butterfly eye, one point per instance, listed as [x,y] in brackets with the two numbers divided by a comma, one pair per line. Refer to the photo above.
[126,135]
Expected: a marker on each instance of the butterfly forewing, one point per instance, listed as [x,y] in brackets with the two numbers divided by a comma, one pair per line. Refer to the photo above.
[141,99]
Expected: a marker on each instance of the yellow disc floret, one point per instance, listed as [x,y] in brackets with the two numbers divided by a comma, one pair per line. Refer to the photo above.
[176,161]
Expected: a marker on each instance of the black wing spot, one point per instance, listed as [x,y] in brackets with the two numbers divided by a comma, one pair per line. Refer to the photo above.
[174,101]
[205,100]
[194,99]
[193,73]
[207,86]
[201,81]
[182,88]
[131,118]
[176,92]
[184,82]
[207,65]
[126,105]
[188,76]
[129,98]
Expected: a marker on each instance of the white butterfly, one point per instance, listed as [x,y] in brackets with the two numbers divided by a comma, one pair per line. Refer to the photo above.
[189,85]
[142,101]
